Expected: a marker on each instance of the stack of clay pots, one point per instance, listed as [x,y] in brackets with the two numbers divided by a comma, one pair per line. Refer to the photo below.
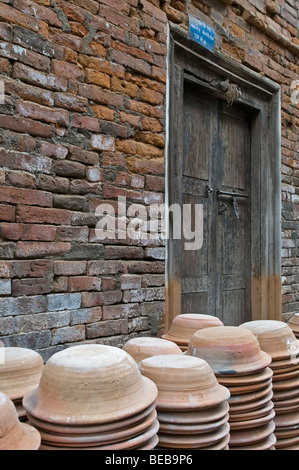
[277,338]
[144,346]
[93,397]
[20,372]
[15,435]
[185,325]
[293,323]
[239,364]
[192,406]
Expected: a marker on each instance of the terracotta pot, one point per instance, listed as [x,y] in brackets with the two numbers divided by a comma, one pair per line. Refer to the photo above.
[183,326]
[287,419]
[20,371]
[285,376]
[72,430]
[289,431]
[251,436]
[245,389]
[208,415]
[143,347]
[275,337]
[250,397]
[89,440]
[15,435]
[229,350]
[254,405]
[246,380]
[261,412]
[171,428]
[285,395]
[293,323]
[252,423]
[265,444]
[288,442]
[193,441]
[183,382]
[283,367]
[90,384]
[286,384]
[284,405]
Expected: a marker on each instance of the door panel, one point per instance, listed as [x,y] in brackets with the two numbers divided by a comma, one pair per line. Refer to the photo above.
[216,154]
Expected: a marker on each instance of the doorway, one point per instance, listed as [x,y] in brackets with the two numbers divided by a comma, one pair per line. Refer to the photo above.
[225,157]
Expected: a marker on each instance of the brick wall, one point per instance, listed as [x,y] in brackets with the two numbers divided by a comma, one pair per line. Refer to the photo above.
[84,121]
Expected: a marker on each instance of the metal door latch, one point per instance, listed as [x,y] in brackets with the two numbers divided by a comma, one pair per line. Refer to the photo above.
[209,190]
[221,208]
[236,207]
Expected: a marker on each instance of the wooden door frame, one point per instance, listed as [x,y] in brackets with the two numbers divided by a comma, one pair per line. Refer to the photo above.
[262,96]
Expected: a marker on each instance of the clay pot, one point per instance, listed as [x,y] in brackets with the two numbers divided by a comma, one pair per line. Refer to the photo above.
[183,382]
[251,406]
[229,350]
[208,415]
[143,347]
[15,435]
[193,441]
[275,337]
[252,423]
[287,420]
[293,323]
[265,444]
[246,381]
[185,325]
[261,412]
[90,384]
[245,398]
[251,436]
[20,371]
[170,428]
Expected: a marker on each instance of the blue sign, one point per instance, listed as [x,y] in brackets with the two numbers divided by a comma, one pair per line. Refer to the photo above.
[202,33]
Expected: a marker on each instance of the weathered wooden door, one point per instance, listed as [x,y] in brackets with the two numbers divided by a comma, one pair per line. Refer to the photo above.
[214,171]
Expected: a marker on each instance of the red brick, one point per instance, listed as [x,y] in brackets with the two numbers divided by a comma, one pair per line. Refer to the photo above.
[7,213]
[118,19]
[131,119]
[123,252]
[146,267]
[89,5]
[20,179]
[42,113]
[38,11]
[85,122]
[146,109]
[101,96]
[67,70]
[108,283]
[40,215]
[6,32]
[155,12]
[84,156]
[110,191]
[131,63]
[102,142]
[159,74]
[132,51]
[23,142]
[72,12]
[23,125]
[151,124]
[84,187]
[71,102]
[5,270]
[5,66]
[142,165]
[97,78]
[84,283]
[69,268]
[94,299]
[66,39]
[69,234]
[55,185]
[106,328]
[21,287]
[38,78]
[155,183]
[60,284]
[152,97]
[151,138]
[25,196]
[28,232]
[132,147]
[122,178]
[12,16]
[23,161]
[114,129]
[113,159]
[69,169]
[102,65]
[30,93]
[14,52]
[103,112]
[98,268]
[70,202]
[137,181]
[48,149]
[40,249]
